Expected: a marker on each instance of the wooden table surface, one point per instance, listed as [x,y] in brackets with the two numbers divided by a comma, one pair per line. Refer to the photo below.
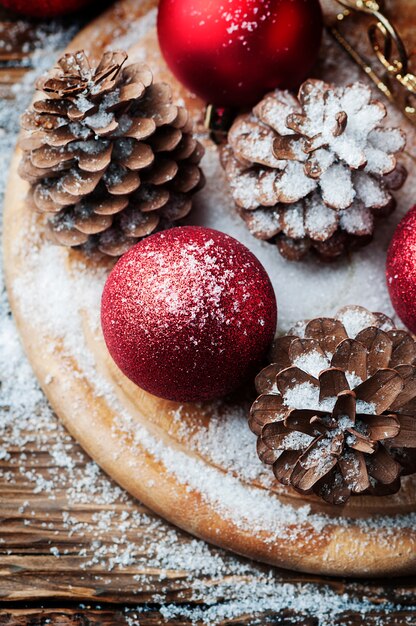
[36,587]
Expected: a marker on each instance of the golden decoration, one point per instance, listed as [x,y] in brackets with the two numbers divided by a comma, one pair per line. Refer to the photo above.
[396,81]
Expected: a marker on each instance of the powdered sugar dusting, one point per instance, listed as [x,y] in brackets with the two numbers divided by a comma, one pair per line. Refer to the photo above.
[312,362]
[355,320]
[306,396]
[304,291]
[203,280]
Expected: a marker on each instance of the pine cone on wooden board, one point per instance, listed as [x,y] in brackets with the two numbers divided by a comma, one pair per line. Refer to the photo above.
[108,154]
[314,172]
[337,410]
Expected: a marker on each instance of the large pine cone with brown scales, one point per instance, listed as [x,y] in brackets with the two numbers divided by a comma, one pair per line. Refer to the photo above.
[337,410]
[107,153]
[316,171]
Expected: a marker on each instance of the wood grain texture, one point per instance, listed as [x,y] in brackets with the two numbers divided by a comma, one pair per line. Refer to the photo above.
[118,617]
[30,575]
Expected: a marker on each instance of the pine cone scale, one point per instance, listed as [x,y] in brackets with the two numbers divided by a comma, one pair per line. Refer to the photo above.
[332,382]
[351,356]
[166,139]
[406,438]
[404,348]
[42,201]
[94,162]
[293,377]
[51,107]
[90,223]
[383,467]
[329,333]
[408,374]
[139,128]
[381,427]
[355,472]
[379,348]
[308,471]
[306,421]
[381,389]
[111,205]
[48,158]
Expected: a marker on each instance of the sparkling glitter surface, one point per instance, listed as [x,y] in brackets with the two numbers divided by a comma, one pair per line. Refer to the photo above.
[188,314]
[401,270]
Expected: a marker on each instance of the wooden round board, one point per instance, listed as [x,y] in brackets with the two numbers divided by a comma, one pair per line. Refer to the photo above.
[196,465]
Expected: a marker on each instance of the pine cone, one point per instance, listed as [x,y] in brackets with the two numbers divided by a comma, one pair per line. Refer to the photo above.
[108,154]
[314,172]
[337,410]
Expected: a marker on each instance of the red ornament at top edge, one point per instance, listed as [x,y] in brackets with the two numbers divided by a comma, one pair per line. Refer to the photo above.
[231,52]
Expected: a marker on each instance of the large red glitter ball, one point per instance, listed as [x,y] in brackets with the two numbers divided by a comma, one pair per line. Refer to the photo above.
[188,314]
[401,270]
[44,8]
[230,53]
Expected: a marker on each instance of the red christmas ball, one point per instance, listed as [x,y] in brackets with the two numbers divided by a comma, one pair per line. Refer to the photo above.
[231,53]
[44,8]
[188,314]
[401,270]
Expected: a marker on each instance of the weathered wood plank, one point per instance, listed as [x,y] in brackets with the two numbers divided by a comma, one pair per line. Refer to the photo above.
[31,524]
[152,617]
[30,573]
[130,617]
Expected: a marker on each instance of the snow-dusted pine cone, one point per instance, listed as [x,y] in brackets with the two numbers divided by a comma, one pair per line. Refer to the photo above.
[313,172]
[107,153]
[337,410]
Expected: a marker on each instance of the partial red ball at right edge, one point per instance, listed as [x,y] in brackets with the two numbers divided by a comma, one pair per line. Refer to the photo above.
[401,270]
